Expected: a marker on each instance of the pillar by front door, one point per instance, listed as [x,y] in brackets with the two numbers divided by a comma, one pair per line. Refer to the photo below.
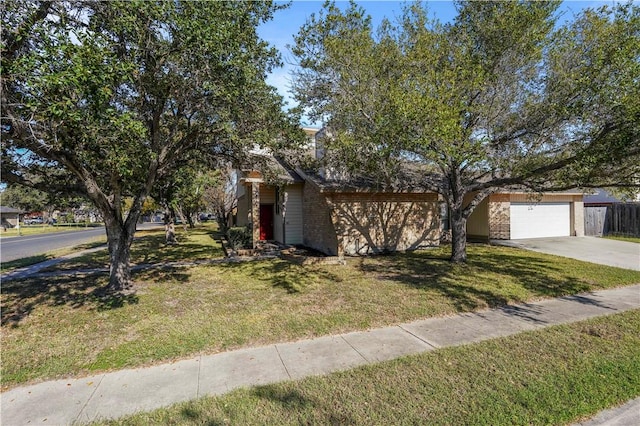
[266,221]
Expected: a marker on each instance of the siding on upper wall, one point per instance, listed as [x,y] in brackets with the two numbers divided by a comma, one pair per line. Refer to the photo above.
[293,215]
[242,217]
[478,222]
[546,198]
[277,221]
[267,194]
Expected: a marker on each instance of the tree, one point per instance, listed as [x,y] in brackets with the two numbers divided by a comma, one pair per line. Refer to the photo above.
[500,98]
[103,99]
[219,196]
[24,198]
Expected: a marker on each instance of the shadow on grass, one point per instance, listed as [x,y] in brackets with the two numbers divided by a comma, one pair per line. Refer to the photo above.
[25,261]
[160,274]
[21,297]
[153,249]
[291,277]
[293,400]
[485,279]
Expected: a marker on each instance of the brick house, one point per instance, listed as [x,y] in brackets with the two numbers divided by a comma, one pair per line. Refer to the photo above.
[303,209]
[345,217]
[515,215]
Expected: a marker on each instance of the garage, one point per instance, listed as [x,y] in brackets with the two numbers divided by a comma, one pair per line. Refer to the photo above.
[540,220]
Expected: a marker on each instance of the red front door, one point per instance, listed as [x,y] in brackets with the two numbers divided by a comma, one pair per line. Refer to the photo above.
[266,221]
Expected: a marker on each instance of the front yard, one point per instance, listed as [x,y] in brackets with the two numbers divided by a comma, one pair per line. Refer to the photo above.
[556,376]
[64,326]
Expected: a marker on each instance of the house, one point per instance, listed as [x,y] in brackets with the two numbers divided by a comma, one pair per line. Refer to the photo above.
[600,197]
[339,217]
[513,215]
[9,217]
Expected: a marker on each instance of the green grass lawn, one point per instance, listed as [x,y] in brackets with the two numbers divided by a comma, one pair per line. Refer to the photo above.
[557,375]
[69,325]
[32,260]
[200,243]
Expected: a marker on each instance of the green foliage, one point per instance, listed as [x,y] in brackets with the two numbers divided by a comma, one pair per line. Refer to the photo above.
[112,97]
[498,98]
[239,238]
[24,198]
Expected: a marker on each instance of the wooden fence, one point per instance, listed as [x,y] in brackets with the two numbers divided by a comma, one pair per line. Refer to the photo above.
[614,219]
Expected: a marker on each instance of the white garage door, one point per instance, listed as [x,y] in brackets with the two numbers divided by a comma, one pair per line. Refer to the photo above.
[540,220]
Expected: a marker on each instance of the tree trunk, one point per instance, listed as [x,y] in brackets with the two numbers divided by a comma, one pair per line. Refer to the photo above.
[458,235]
[119,241]
[169,228]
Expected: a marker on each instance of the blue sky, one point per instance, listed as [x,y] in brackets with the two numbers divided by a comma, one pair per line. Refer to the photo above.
[279,32]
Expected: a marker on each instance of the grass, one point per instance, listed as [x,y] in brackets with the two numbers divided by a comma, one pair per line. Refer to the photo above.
[149,247]
[175,313]
[32,260]
[45,229]
[623,238]
[557,375]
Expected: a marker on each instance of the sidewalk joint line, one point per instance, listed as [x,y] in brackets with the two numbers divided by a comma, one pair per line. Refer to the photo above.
[433,345]
[357,351]
[199,372]
[84,406]
[282,361]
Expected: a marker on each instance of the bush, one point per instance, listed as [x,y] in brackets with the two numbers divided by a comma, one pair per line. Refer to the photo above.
[239,237]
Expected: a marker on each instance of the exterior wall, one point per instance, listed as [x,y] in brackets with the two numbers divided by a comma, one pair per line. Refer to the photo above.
[293,215]
[242,215]
[478,222]
[319,232]
[499,217]
[9,220]
[267,194]
[383,222]
[577,218]
[500,204]
[288,224]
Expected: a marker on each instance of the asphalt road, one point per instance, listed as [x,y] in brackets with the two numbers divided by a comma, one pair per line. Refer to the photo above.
[33,245]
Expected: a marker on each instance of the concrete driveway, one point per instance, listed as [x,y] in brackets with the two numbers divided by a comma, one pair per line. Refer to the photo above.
[590,249]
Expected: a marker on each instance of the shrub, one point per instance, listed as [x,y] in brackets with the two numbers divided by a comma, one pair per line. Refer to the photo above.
[239,237]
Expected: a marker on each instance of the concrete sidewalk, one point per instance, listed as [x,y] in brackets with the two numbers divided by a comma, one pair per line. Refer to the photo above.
[111,395]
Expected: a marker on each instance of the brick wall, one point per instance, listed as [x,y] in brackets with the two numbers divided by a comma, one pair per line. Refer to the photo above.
[499,217]
[381,222]
[318,228]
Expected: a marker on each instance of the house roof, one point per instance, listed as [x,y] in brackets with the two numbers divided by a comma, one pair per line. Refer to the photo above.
[406,180]
[600,197]
[274,170]
[10,210]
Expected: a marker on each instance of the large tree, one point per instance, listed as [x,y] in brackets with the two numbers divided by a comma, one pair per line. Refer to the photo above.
[502,97]
[104,99]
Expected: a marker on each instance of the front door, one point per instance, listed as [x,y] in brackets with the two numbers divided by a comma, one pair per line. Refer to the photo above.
[266,221]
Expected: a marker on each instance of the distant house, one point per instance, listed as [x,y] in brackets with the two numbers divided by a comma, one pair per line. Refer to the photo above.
[9,217]
[355,217]
[601,197]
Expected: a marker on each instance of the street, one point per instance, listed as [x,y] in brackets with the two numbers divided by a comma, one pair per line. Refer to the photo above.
[33,245]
